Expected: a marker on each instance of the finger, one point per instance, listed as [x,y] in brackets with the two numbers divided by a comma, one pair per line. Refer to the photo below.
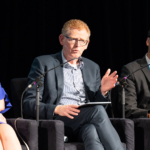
[116,77]
[73,113]
[75,110]
[113,74]
[107,72]
[69,116]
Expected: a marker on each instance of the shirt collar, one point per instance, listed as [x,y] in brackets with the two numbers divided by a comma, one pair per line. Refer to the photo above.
[147,59]
[68,65]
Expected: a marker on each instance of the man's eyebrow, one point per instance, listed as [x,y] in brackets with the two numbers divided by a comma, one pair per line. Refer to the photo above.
[83,39]
[79,39]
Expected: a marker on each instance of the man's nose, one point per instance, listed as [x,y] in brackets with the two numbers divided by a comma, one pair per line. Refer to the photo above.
[77,43]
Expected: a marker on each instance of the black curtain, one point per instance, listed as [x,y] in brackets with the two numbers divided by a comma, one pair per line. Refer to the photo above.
[29,28]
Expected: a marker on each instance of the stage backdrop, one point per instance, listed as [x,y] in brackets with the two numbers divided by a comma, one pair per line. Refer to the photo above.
[29,28]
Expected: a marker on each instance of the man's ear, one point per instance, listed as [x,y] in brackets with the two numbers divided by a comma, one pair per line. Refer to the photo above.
[147,41]
[86,46]
[61,39]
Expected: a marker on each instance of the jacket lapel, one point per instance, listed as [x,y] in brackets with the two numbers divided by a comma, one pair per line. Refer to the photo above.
[146,69]
[59,76]
[85,79]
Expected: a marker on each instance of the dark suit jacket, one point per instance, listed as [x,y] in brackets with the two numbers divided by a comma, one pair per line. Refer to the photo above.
[137,92]
[50,93]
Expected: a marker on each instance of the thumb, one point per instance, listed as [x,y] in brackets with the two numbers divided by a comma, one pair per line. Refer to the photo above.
[107,72]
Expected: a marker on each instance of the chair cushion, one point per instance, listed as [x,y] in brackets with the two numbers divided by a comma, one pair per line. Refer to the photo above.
[125,129]
[74,146]
[79,146]
[142,133]
[28,129]
[23,147]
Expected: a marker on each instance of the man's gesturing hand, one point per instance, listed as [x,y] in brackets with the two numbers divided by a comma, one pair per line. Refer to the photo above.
[108,81]
[67,110]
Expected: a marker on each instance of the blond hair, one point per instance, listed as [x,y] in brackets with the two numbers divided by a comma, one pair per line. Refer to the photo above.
[76,24]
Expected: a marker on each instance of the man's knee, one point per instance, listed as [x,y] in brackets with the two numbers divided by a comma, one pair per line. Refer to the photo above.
[100,110]
[99,114]
[88,132]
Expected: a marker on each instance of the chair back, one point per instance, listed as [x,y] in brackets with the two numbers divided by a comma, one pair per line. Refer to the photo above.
[115,103]
[17,85]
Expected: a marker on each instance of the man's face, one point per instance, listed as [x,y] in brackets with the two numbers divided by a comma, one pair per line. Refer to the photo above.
[73,50]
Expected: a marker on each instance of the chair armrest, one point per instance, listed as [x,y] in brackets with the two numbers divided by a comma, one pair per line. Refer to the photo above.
[125,129]
[28,130]
[51,134]
[142,133]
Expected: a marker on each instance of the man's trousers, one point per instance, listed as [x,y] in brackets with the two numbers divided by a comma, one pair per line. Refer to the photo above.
[93,127]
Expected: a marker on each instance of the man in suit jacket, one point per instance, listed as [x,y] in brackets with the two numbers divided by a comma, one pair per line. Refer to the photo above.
[137,92]
[70,85]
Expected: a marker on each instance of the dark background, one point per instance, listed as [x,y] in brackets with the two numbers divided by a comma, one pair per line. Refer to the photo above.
[29,28]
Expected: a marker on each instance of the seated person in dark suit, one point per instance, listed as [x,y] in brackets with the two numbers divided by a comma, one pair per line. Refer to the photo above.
[137,92]
[70,85]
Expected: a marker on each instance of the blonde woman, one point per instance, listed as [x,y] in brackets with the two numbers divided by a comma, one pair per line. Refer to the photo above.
[8,138]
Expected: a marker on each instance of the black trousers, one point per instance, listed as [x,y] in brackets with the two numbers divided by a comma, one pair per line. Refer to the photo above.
[93,127]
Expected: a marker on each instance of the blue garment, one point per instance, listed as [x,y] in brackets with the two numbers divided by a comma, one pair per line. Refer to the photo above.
[4,96]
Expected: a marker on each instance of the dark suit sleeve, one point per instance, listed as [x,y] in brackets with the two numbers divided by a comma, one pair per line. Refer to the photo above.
[131,109]
[29,104]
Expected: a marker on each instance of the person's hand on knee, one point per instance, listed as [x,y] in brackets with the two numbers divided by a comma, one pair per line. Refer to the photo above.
[67,110]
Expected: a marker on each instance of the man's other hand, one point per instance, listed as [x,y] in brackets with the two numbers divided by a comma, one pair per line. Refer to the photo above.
[108,81]
[67,110]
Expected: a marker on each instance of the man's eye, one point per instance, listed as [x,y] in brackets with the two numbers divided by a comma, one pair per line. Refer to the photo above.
[82,41]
